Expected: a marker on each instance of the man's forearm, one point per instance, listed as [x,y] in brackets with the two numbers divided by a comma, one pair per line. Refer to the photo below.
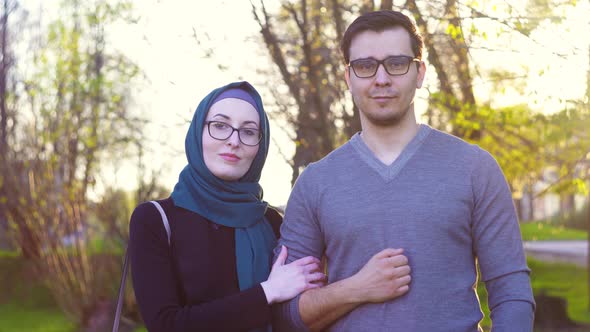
[321,307]
[385,277]
[511,302]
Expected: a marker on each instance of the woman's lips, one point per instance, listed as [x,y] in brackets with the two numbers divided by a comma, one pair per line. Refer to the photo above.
[229,157]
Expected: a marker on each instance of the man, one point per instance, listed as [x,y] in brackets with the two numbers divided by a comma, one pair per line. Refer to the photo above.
[400,195]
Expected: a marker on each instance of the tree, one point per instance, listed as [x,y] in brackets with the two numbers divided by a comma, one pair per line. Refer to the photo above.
[12,19]
[74,112]
[310,93]
[301,40]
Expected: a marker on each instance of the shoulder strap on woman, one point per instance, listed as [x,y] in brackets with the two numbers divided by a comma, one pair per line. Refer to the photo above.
[126,268]
[164,218]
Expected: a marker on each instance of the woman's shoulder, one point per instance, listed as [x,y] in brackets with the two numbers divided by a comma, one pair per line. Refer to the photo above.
[147,213]
[147,208]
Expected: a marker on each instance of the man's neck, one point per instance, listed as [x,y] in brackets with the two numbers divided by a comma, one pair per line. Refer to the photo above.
[387,143]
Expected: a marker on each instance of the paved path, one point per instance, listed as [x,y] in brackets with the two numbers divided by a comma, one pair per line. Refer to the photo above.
[575,252]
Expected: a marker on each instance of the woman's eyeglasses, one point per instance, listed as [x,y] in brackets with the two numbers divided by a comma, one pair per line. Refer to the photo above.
[222,131]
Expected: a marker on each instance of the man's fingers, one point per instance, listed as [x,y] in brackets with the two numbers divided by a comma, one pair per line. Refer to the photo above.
[402,290]
[405,280]
[389,252]
[402,270]
[397,260]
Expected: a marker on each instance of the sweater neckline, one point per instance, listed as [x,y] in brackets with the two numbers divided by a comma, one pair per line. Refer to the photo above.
[389,172]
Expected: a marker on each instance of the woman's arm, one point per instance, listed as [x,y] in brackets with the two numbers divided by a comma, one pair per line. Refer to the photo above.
[156,287]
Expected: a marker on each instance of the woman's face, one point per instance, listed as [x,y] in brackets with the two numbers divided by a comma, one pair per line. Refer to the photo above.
[229,159]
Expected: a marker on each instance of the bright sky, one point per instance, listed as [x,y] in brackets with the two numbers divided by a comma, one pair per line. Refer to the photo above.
[178,75]
[164,45]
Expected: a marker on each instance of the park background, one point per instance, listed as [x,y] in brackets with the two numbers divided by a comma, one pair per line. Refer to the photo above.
[96,97]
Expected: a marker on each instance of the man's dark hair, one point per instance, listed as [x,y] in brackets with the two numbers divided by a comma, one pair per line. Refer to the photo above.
[380,21]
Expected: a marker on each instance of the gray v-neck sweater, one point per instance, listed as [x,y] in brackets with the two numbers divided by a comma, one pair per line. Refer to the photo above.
[445,202]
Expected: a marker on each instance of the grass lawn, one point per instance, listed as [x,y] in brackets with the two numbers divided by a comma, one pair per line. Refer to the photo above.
[566,281]
[17,317]
[540,231]
[25,305]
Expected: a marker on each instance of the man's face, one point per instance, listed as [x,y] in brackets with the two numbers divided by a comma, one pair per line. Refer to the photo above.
[384,100]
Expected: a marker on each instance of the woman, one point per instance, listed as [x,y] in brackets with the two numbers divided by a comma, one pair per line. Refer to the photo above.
[216,272]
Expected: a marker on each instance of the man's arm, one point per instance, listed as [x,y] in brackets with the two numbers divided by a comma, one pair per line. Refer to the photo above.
[385,277]
[507,312]
[498,245]
[301,234]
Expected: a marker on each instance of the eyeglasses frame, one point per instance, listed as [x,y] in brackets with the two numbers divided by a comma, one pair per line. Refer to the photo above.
[208,123]
[382,62]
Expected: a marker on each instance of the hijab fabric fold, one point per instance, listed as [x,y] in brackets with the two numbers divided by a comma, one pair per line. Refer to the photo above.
[236,204]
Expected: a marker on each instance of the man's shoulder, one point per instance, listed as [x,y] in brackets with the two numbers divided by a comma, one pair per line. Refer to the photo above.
[446,142]
[337,156]
[320,171]
[457,151]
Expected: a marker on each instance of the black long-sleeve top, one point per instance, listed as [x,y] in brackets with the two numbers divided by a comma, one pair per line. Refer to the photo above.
[191,284]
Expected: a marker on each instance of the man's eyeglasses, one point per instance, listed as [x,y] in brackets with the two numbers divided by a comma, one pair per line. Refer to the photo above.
[222,131]
[394,65]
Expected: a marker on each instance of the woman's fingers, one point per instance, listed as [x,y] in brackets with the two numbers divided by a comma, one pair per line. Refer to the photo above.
[315,277]
[306,260]
[281,258]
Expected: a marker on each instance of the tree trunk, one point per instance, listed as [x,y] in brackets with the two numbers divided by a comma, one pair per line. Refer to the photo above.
[531,202]
[588,253]
[4,67]
[386,4]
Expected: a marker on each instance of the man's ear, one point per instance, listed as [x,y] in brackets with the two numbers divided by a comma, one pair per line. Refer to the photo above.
[421,74]
[347,76]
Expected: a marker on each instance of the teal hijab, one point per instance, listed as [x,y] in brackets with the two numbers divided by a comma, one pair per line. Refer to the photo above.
[236,204]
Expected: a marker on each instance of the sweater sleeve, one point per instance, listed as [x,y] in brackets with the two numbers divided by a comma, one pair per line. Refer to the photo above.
[157,291]
[301,234]
[510,314]
[498,246]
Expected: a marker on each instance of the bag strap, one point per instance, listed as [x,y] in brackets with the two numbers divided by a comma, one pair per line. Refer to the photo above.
[126,268]
[164,218]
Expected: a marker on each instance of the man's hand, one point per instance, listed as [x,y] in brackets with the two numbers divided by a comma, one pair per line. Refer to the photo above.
[384,277]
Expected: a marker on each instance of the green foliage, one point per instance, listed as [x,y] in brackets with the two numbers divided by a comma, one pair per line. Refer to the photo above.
[513,135]
[454,31]
[567,148]
[113,213]
[542,230]
[527,144]
[82,90]
[78,115]
[482,294]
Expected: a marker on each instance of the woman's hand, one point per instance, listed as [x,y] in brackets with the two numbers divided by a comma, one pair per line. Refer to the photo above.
[287,281]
